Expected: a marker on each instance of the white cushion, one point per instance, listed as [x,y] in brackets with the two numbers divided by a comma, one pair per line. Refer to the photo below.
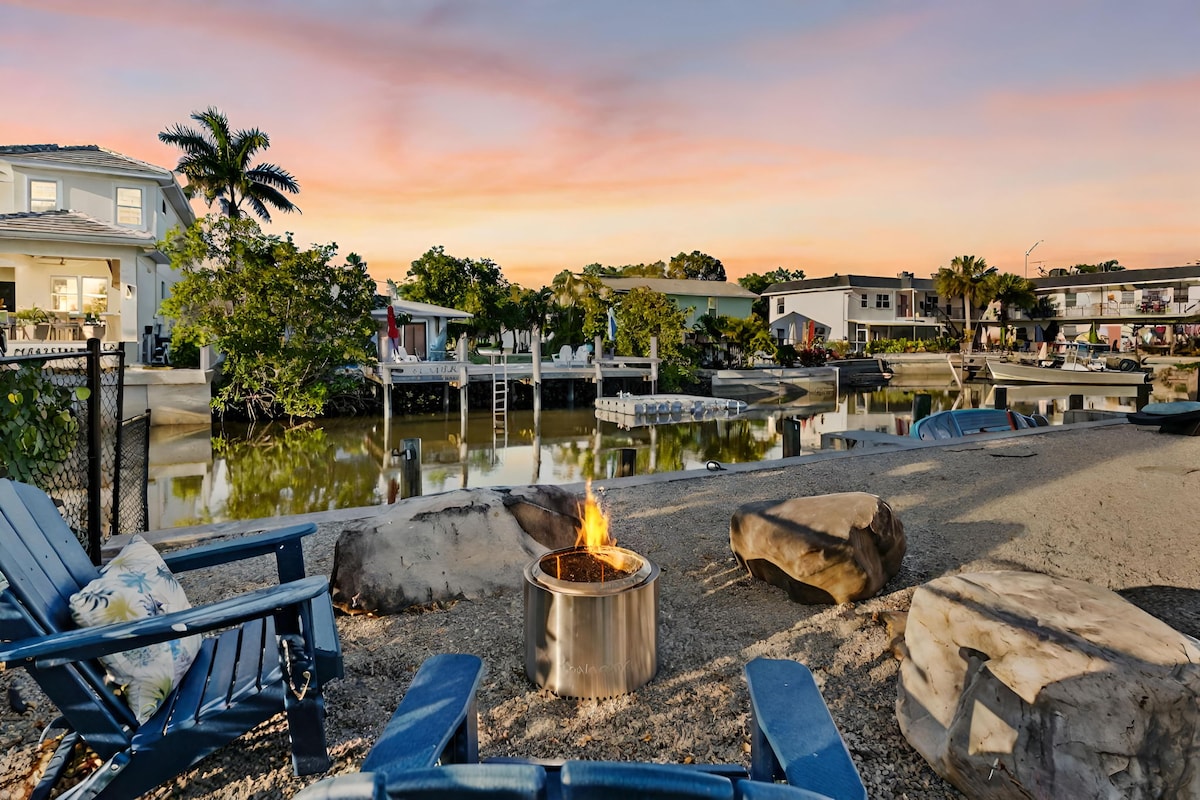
[135,585]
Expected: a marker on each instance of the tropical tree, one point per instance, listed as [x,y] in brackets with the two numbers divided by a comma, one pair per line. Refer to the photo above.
[286,319]
[1011,291]
[216,163]
[966,277]
[644,314]
[474,285]
[580,307]
[748,336]
[696,266]
[758,284]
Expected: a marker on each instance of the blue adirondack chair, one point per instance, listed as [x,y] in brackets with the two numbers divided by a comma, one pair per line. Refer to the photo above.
[793,738]
[275,650]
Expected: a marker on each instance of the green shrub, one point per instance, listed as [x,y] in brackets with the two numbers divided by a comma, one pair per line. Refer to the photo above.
[37,427]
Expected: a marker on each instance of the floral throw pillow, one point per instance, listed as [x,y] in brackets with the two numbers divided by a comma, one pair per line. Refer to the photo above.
[135,585]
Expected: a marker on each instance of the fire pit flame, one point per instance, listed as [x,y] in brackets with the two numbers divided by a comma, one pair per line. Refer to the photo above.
[594,536]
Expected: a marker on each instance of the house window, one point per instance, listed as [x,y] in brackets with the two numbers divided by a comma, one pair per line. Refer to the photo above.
[779,305]
[129,206]
[1072,300]
[95,295]
[864,301]
[43,195]
[883,301]
[74,294]
[64,294]
[712,305]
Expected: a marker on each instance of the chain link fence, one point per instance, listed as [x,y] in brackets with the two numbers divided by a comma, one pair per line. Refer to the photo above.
[61,429]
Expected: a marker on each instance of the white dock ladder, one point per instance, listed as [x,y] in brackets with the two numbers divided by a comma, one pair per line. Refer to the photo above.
[500,396]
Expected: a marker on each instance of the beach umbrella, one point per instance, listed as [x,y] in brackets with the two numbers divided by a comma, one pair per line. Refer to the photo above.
[612,326]
[1039,335]
[812,334]
[1093,335]
[393,331]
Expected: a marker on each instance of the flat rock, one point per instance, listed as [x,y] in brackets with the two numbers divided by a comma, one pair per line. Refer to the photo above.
[460,544]
[1022,685]
[831,548]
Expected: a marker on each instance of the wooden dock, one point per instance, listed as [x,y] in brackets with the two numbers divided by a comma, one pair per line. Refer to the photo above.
[504,369]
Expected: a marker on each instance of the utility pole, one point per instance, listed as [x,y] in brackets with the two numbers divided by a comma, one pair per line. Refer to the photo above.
[1027,252]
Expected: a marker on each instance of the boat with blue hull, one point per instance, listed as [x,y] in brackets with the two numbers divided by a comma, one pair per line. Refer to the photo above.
[972,421]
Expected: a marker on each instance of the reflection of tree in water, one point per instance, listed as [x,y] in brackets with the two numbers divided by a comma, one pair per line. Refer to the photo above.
[276,470]
[734,441]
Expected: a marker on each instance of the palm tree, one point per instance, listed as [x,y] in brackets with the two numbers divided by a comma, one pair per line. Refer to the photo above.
[1012,291]
[966,277]
[216,163]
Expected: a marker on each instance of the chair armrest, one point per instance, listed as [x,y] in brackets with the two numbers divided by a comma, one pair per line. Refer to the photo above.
[353,786]
[283,542]
[436,720]
[81,644]
[600,780]
[793,735]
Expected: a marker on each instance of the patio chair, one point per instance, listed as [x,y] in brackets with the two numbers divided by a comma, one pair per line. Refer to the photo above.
[793,738]
[564,356]
[583,354]
[404,355]
[276,648]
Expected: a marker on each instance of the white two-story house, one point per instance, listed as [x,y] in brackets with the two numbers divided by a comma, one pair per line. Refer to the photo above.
[79,227]
[856,308]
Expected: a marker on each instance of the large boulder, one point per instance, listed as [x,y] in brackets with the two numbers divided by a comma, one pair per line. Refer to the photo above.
[1021,685]
[459,544]
[830,548]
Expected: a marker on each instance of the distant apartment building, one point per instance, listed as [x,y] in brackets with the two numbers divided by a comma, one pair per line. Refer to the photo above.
[1117,303]
[79,227]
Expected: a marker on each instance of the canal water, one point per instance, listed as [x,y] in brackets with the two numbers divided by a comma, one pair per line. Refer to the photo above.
[202,475]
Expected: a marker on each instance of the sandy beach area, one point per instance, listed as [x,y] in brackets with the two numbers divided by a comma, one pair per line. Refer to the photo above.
[1109,503]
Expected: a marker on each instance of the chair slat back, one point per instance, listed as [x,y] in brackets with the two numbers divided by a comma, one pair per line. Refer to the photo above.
[44,564]
[39,555]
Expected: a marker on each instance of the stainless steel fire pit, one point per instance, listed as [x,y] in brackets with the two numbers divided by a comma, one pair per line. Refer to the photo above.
[591,621]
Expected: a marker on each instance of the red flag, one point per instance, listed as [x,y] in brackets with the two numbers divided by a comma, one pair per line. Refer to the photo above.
[393,331]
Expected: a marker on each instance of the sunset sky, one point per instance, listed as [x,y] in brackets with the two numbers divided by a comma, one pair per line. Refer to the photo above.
[865,137]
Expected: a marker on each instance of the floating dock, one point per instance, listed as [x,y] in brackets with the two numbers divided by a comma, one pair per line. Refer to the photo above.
[652,409]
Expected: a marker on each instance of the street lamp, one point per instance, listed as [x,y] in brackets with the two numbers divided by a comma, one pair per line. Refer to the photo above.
[1027,252]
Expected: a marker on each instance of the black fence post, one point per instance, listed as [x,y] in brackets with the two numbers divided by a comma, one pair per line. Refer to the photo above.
[628,463]
[94,465]
[410,468]
[922,406]
[791,437]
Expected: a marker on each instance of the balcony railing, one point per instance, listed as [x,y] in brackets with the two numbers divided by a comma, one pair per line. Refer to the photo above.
[1119,309]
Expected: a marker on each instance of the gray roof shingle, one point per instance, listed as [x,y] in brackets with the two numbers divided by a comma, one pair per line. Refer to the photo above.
[83,156]
[67,225]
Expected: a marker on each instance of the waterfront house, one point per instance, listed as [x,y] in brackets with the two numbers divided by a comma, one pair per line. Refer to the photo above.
[694,298]
[78,231]
[858,309]
[422,329]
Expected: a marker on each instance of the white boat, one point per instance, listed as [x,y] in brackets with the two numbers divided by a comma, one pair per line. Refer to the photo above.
[1080,366]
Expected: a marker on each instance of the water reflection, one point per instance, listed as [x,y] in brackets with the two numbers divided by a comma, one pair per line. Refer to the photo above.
[198,475]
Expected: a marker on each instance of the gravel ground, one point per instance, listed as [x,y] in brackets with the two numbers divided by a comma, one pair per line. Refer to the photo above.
[1112,504]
